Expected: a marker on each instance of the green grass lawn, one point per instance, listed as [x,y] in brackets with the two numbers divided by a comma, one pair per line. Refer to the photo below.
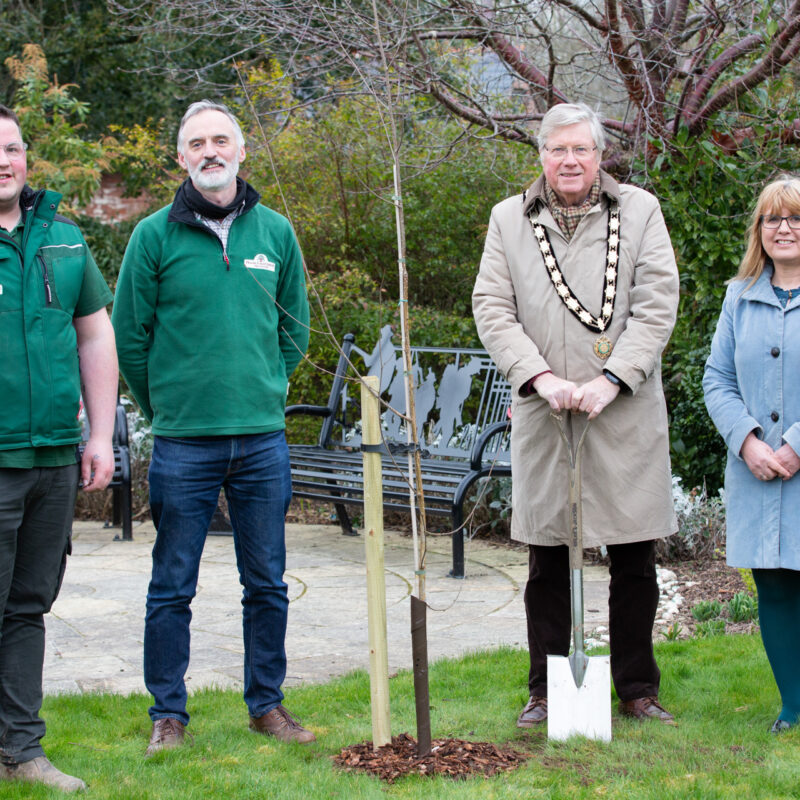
[720,690]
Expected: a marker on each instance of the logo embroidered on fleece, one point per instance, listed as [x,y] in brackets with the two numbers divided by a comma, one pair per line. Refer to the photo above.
[260,262]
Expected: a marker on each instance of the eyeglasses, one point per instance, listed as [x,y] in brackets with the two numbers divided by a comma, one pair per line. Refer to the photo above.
[560,153]
[774,221]
[14,150]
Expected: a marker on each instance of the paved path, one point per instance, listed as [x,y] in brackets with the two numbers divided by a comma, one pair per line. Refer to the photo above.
[94,632]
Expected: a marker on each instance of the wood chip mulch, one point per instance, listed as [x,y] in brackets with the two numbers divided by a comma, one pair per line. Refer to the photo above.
[454,758]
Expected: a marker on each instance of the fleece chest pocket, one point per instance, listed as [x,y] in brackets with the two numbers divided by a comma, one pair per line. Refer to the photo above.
[264,268]
[62,274]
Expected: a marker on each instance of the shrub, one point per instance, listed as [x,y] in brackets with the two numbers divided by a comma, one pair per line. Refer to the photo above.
[53,121]
[107,241]
[706,195]
[741,607]
[450,183]
[749,582]
[709,628]
[701,526]
[707,610]
[491,511]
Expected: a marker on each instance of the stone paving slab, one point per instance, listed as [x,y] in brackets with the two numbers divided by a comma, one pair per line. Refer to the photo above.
[95,630]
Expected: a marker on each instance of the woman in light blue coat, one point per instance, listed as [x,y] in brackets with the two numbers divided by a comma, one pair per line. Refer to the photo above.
[752,392]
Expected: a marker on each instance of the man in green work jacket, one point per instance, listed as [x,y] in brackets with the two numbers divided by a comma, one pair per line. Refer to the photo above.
[56,340]
[211,319]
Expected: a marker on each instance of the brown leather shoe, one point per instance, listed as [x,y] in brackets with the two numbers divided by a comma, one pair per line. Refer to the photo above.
[167,734]
[534,713]
[646,708]
[282,725]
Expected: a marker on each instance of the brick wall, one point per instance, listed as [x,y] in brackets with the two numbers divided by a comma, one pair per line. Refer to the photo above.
[109,205]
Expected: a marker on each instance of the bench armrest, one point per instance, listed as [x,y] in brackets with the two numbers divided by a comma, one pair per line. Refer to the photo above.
[314,411]
[121,426]
[495,429]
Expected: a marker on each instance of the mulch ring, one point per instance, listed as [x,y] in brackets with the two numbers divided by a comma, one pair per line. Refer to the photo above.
[454,758]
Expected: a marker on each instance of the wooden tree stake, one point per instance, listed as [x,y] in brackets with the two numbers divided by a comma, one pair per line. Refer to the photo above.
[376,584]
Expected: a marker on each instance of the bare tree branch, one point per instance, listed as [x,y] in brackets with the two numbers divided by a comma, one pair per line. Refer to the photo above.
[649,66]
[777,57]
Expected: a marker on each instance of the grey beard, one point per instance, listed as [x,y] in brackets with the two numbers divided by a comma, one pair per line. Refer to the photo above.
[215,181]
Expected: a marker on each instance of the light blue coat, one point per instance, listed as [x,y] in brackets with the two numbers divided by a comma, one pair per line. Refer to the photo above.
[752,383]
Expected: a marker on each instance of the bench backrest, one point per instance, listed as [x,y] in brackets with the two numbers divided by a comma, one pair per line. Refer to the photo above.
[459,392]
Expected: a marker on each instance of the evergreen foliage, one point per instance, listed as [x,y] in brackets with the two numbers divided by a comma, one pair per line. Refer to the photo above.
[52,122]
[126,76]
[707,196]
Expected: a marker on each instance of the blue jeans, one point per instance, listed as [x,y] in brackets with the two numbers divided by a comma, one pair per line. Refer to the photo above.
[186,476]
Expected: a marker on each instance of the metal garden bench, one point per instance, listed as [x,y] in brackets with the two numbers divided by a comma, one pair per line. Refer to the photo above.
[462,407]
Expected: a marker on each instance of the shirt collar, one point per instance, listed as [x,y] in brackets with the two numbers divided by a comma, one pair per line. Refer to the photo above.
[534,197]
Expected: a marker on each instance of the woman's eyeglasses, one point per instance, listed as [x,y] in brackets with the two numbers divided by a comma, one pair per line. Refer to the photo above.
[774,221]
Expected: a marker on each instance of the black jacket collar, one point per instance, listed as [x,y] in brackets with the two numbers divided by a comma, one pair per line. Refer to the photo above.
[181,212]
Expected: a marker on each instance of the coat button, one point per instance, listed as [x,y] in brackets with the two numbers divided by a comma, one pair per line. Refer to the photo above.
[44,224]
[774,416]
[52,205]
[776,351]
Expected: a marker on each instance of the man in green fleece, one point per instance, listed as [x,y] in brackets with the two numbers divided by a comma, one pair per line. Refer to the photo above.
[211,318]
[55,339]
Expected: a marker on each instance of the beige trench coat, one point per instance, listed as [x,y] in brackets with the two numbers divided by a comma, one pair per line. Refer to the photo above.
[627,482]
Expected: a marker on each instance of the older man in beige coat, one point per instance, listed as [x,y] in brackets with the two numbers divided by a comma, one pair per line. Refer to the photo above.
[575,301]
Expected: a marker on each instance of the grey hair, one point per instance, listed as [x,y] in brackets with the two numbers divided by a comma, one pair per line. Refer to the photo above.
[571,114]
[208,105]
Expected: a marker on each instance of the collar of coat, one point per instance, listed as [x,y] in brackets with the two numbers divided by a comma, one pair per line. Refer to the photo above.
[761,291]
[42,204]
[180,211]
[534,196]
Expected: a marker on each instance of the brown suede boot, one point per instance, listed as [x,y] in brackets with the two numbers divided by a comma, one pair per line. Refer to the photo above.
[40,770]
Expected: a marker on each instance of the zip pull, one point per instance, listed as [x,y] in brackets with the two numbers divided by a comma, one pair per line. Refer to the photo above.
[227,261]
[47,291]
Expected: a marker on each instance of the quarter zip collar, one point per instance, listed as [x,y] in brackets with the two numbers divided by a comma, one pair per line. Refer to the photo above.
[181,212]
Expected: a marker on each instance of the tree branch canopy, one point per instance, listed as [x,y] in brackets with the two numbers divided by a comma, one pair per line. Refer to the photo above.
[650,67]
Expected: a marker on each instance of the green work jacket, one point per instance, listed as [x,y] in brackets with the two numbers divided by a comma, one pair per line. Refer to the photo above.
[44,284]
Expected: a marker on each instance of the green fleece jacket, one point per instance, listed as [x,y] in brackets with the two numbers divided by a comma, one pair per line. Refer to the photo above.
[206,338]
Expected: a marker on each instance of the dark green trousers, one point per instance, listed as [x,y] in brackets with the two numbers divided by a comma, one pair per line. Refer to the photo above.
[36,507]
[779,618]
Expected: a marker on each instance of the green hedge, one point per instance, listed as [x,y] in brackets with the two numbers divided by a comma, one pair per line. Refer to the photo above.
[707,196]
